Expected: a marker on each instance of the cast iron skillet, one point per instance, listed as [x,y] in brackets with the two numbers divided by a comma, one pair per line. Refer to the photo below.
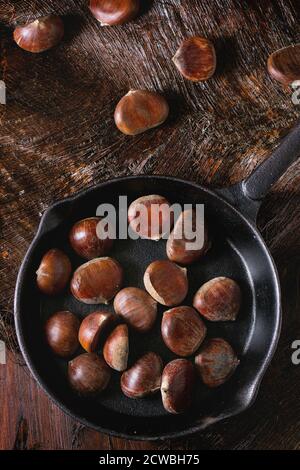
[238,251]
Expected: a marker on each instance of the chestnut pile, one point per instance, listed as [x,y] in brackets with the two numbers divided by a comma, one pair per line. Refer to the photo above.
[104,335]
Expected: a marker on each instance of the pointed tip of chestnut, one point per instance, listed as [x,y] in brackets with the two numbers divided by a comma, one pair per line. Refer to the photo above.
[93,327]
[218,299]
[139,111]
[112,12]
[40,35]
[53,272]
[196,59]
[166,282]
[182,330]
[116,348]
[88,374]
[177,386]
[284,64]
[144,377]
[216,362]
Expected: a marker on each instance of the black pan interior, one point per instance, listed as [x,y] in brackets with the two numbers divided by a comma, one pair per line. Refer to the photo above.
[237,251]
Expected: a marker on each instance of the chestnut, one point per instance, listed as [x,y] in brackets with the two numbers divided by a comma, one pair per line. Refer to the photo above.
[284,64]
[216,362]
[182,330]
[177,385]
[97,281]
[136,307]
[218,299]
[139,111]
[88,374]
[114,12]
[144,377]
[61,330]
[178,244]
[88,239]
[166,282]
[40,35]
[92,329]
[151,216]
[196,59]
[54,272]
[116,348]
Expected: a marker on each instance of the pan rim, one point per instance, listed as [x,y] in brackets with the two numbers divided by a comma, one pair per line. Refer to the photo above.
[251,395]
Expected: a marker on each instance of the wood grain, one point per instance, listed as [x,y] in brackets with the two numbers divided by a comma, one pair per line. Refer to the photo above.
[57,136]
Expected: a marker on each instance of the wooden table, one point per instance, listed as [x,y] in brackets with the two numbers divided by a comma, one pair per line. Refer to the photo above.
[57,136]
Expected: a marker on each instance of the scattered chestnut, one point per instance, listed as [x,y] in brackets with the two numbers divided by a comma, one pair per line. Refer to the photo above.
[88,239]
[93,327]
[136,307]
[88,374]
[284,64]
[116,348]
[61,331]
[166,282]
[177,385]
[196,59]
[178,244]
[40,35]
[97,281]
[218,299]
[54,272]
[216,362]
[182,330]
[139,111]
[114,12]
[144,377]
[151,216]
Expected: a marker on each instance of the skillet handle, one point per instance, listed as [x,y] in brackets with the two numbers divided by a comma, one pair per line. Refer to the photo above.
[262,179]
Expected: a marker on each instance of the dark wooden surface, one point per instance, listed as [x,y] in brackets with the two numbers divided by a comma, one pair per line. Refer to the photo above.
[57,136]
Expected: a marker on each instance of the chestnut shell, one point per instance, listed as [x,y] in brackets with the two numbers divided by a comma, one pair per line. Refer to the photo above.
[144,377]
[61,330]
[182,330]
[196,59]
[116,348]
[88,374]
[136,307]
[216,362]
[284,64]
[54,272]
[41,34]
[84,240]
[114,12]
[218,299]
[177,385]
[93,327]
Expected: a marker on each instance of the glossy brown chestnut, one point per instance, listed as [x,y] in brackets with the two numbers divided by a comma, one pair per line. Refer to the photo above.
[88,374]
[116,348]
[216,362]
[136,307]
[88,238]
[144,377]
[114,12]
[284,64]
[139,111]
[166,282]
[40,35]
[54,272]
[196,59]
[61,331]
[179,244]
[97,281]
[151,216]
[177,385]
[93,328]
[182,330]
[218,299]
